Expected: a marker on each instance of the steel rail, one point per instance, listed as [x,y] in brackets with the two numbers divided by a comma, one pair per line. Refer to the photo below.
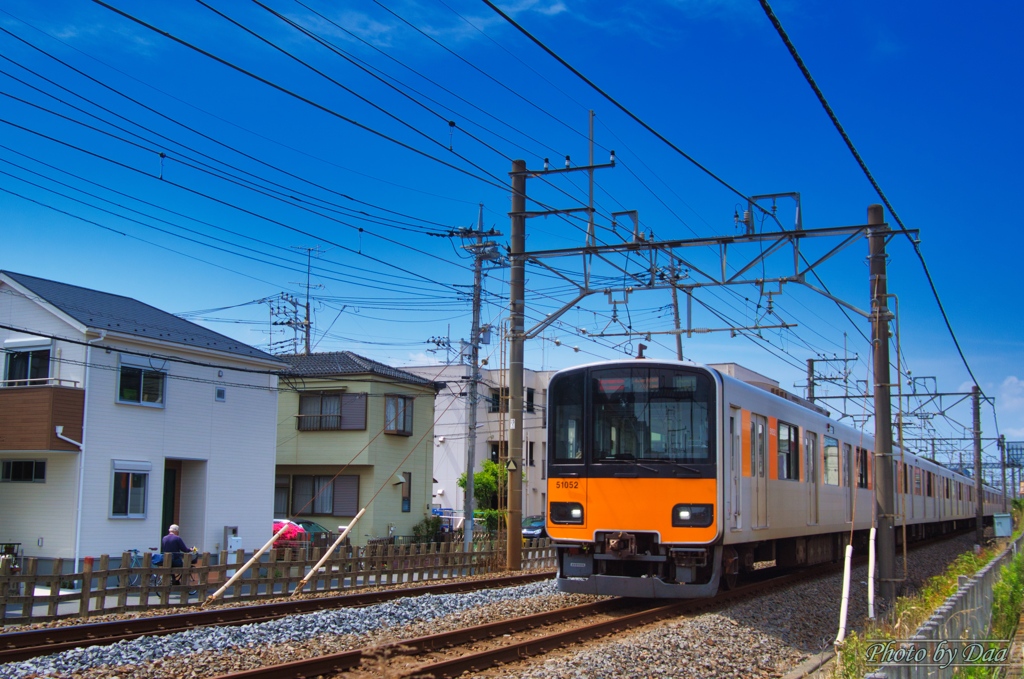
[338,663]
[16,646]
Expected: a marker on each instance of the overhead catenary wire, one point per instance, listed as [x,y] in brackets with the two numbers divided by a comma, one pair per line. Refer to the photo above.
[867,173]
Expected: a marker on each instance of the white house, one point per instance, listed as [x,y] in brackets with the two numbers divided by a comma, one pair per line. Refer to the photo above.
[451,430]
[118,419]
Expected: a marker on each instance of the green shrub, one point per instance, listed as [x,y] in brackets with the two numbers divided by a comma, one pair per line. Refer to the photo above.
[427,530]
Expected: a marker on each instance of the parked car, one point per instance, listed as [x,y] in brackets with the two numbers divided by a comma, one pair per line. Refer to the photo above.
[534,527]
[312,527]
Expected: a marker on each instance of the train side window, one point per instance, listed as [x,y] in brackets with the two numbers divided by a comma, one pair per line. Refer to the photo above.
[831,470]
[862,468]
[789,452]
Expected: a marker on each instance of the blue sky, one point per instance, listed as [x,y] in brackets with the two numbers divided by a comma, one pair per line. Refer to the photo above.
[359,161]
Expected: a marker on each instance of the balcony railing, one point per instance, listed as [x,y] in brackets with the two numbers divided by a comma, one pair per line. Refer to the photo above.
[39,382]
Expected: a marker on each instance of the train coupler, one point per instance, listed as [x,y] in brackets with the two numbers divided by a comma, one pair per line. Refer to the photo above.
[621,544]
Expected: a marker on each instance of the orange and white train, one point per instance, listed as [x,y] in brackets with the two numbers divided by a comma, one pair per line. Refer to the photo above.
[667,478]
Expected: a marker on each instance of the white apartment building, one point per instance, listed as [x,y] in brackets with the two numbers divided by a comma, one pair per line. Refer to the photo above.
[452,436]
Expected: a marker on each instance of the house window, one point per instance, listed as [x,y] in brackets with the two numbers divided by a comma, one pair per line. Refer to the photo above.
[398,415]
[327,495]
[27,367]
[529,453]
[407,492]
[498,451]
[498,402]
[331,411]
[24,471]
[789,452]
[529,400]
[130,484]
[281,495]
[141,386]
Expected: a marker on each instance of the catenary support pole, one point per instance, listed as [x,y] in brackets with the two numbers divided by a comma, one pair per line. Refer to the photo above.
[514,554]
[1002,465]
[979,493]
[884,497]
[810,380]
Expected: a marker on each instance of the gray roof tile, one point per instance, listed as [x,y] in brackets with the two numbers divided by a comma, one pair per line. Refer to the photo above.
[106,311]
[339,363]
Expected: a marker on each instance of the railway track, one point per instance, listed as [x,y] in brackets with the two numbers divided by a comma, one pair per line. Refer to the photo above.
[474,649]
[471,648]
[15,646]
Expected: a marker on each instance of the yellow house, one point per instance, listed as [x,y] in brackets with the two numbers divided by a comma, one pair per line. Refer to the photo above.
[353,433]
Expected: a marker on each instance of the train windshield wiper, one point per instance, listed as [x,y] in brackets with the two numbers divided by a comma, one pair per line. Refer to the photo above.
[627,458]
[678,465]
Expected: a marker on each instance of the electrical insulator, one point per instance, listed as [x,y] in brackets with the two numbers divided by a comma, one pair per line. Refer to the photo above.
[546,165]
[612,161]
[567,162]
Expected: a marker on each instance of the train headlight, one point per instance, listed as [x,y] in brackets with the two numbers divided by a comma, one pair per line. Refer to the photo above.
[692,516]
[566,512]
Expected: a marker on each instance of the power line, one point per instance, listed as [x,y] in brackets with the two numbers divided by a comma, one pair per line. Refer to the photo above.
[867,173]
[296,95]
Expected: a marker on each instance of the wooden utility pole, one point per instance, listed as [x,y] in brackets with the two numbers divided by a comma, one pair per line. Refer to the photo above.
[884,496]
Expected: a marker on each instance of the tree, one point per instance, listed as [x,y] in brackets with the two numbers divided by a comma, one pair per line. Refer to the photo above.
[486,484]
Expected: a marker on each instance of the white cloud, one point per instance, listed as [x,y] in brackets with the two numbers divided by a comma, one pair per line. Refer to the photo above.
[1010,407]
[421,358]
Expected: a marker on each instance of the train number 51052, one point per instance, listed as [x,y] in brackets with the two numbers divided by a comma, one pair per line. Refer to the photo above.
[567,484]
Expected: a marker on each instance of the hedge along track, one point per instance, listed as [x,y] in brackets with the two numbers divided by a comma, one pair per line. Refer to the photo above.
[15,646]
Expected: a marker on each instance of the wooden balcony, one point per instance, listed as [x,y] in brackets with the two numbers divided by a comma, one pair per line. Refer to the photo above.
[29,417]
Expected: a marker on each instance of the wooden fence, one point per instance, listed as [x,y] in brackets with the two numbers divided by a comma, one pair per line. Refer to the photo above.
[26,597]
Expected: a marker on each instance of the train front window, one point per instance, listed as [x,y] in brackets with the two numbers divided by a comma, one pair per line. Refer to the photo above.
[567,419]
[655,414]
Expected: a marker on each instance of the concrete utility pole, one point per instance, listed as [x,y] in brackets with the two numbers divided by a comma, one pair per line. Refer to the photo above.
[514,555]
[884,498]
[480,252]
[979,504]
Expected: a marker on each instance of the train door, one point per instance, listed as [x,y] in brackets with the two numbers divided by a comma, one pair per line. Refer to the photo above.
[735,448]
[811,470]
[759,470]
[848,472]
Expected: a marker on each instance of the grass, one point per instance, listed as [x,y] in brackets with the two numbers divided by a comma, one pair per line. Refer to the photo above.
[910,612]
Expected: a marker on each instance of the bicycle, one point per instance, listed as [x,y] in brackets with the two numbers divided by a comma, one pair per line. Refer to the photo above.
[191,577]
[135,577]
